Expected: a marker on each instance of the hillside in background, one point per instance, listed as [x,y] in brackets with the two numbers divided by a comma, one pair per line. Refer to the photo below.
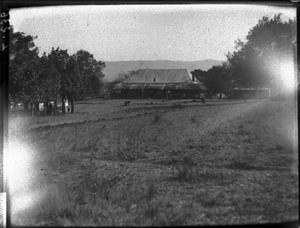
[114,68]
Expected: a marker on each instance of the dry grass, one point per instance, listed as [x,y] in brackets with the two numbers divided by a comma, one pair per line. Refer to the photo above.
[180,165]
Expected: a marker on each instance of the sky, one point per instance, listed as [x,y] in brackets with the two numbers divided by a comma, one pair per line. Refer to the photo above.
[143,32]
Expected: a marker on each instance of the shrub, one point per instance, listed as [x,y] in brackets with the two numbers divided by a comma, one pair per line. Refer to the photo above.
[186,171]
[151,192]
[209,199]
[177,105]
[157,117]
[194,119]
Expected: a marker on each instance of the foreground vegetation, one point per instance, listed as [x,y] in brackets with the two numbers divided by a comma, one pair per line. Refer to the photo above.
[180,165]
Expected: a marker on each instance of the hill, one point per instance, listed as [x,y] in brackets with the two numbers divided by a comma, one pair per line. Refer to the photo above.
[114,68]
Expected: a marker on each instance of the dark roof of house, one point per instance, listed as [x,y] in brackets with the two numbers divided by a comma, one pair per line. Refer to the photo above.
[161,86]
[162,79]
[160,76]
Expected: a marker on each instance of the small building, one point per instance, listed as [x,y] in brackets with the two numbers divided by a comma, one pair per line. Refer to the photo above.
[250,93]
[159,83]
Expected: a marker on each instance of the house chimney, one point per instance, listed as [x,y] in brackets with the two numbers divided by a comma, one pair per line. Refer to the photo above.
[154,79]
[193,77]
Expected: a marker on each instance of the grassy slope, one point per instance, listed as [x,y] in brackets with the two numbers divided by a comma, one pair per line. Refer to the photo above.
[226,164]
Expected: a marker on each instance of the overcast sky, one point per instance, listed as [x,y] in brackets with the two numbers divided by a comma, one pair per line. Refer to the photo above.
[143,32]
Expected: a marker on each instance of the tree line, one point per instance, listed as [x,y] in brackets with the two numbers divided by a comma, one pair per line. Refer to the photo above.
[52,77]
[256,61]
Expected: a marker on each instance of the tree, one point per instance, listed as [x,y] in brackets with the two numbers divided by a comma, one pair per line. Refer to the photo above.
[58,75]
[23,64]
[90,73]
[246,67]
[257,61]
[60,58]
[74,82]
[93,86]
[49,81]
[84,76]
[216,79]
[80,75]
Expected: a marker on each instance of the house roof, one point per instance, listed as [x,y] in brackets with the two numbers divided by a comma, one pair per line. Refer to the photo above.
[160,76]
[160,86]
[165,79]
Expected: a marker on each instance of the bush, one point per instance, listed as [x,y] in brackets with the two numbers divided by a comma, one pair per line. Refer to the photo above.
[157,117]
[186,171]
[177,105]
[194,119]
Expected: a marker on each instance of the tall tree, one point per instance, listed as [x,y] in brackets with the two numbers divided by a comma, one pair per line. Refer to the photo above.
[49,81]
[58,75]
[93,86]
[258,60]
[217,79]
[23,62]
[80,74]
[60,58]
[90,73]
[74,82]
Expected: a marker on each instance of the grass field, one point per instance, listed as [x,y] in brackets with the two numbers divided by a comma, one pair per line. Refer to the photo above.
[156,164]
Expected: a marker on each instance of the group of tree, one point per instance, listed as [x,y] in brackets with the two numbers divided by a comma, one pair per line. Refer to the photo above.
[52,77]
[256,61]
[216,79]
